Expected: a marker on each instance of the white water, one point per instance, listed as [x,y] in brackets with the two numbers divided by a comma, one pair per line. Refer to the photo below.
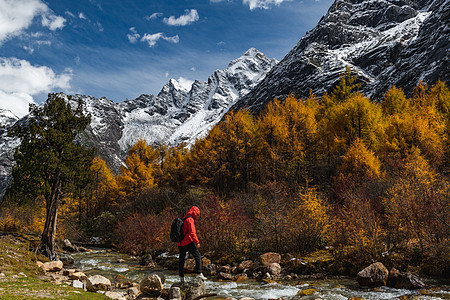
[105,263]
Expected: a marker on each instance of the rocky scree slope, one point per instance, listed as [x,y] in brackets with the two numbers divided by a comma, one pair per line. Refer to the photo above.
[174,116]
[385,42]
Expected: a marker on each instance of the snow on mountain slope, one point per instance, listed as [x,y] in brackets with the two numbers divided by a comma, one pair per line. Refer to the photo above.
[385,42]
[177,115]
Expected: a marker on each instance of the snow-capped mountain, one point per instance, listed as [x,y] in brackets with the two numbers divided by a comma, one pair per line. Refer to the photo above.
[7,145]
[386,42]
[174,116]
[179,115]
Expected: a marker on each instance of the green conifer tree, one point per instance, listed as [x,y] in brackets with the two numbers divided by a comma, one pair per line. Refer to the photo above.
[49,163]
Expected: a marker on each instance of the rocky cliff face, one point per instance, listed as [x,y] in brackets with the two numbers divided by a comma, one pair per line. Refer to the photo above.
[389,42]
[174,116]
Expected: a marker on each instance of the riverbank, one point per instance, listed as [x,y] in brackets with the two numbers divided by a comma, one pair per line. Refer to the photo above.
[23,279]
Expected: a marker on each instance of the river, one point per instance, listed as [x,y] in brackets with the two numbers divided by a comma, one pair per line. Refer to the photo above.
[105,262]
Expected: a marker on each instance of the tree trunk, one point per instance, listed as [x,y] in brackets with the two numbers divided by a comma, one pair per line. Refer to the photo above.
[49,233]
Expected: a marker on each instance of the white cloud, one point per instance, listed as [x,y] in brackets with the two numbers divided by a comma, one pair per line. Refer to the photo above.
[190,17]
[100,26]
[82,16]
[152,39]
[264,4]
[53,22]
[193,69]
[19,81]
[185,83]
[154,16]
[17,15]
[133,37]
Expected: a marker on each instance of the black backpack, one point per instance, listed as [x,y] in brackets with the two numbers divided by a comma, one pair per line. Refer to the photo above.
[176,231]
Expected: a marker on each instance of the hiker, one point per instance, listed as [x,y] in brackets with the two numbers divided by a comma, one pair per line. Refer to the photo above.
[190,243]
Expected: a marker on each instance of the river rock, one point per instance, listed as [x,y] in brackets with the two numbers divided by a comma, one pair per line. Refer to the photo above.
[175,293]
[373,276]
[240,277]
[66,259]
[146,260]
[68,246]
[194,289]
[210,270]
[226,276]
[115,295]
[82,249]
[151,285]
[401,280]
[77,284]
[269,258]
[52,266]
[2,275]
[245,265]
[224,269]
[133,291]
[78,276]
[274,269]
[98,283]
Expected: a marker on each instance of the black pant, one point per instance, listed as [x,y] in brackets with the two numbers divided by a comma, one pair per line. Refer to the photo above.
[191,248]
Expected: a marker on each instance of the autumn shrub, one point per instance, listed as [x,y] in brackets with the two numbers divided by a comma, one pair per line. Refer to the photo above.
[139,233]
[309,222]
[223,227]
[418,205]
[21,218]
[358,223]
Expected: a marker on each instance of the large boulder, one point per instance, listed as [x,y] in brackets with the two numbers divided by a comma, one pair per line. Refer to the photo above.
[373,276]
[401,280]
[68,246]
[52,266]
[269,258]
[274,269]
[151,285]
[98,283]
[192,289]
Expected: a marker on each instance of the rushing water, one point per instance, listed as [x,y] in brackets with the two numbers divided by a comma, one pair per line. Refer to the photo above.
[104,262]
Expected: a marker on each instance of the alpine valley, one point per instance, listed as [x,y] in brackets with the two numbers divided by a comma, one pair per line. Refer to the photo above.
[395,42]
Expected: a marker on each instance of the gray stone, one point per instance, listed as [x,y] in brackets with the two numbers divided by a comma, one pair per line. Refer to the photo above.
[175,293]
[115,295]
[151,285]
[68,246]
[66,259]
[98,283]
[52,266]
[77,284]
[401,280]
[274,269]
[373,276]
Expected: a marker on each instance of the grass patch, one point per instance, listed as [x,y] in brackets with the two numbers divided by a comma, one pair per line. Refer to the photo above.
[15,258]
[33,288]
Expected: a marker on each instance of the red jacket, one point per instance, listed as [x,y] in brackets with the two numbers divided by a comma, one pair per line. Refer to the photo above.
[189,227]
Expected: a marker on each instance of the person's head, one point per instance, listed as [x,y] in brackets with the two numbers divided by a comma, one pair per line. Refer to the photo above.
[194,211]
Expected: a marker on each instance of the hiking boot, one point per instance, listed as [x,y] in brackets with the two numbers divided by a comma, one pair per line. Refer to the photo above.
[201,276]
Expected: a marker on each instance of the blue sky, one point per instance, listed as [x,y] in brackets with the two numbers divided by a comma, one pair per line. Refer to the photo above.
[121,49]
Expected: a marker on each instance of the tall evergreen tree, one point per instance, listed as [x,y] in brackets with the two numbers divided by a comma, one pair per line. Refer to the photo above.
[49,164]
